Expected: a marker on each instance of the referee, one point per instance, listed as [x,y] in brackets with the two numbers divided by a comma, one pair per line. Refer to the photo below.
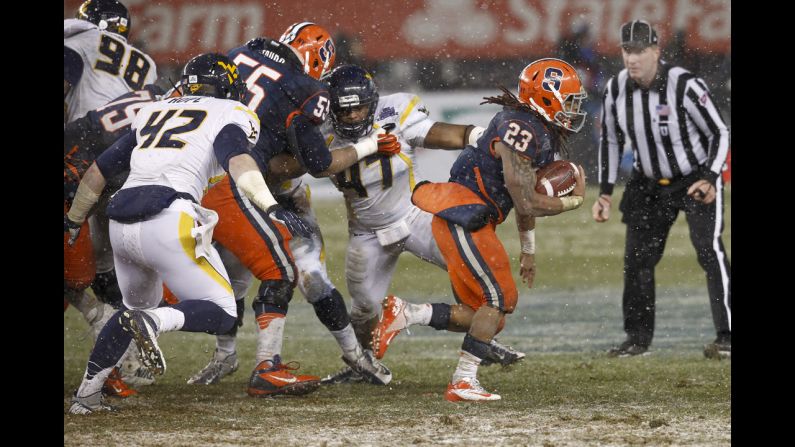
[680,143]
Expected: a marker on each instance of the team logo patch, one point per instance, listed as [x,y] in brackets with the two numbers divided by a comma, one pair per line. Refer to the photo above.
[552,78]
[231,71]
[386,112]
[327,51]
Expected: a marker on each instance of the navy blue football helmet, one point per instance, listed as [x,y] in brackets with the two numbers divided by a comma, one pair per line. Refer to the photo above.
[351,86]
[108,15]
[212,74]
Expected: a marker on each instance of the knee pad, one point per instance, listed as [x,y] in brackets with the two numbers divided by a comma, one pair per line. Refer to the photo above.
[273,296]
[106,288]
[331,311]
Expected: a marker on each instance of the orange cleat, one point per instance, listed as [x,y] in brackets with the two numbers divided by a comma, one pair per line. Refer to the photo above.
[115,386]
[273,378]
[468,390]
[391,322]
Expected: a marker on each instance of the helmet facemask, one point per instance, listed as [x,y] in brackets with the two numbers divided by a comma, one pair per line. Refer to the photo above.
[570,118]
[353,131]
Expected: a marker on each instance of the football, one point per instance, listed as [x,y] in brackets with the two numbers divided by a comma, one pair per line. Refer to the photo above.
[556,179]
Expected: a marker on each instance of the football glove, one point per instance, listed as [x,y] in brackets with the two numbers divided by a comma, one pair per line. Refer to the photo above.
[291,220]
[388,144]
[72,228]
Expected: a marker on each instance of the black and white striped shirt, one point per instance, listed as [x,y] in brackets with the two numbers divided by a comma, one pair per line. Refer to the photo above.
[674,127]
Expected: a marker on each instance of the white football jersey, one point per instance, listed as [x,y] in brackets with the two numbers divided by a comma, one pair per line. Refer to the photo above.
[378,189]
[111,67]
[175,141]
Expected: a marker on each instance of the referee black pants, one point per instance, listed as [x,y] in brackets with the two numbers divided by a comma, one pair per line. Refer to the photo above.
[649,210]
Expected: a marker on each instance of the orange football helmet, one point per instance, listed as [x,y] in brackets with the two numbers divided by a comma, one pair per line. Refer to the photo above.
[553,89]
[313,45]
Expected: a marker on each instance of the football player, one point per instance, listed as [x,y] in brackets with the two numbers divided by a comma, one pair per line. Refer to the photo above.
[100,65]
[84,139]
[382,221]
[284,90]
[158,230]
[486,181]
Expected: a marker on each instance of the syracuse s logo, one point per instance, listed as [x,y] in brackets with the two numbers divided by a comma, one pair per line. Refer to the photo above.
[552,77]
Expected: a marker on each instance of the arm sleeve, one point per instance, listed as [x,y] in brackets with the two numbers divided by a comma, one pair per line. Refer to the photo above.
[116,158]
[611,145]
[702,110]
[310,148]
[230,141]
[72,66]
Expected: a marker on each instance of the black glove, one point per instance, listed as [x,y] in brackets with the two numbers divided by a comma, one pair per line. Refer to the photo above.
[289,219]
[72,228]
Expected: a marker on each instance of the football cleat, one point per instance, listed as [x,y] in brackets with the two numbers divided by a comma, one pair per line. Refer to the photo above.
[468,390]
[144,332]
[721,348]
[391,322]
[345,375]
[502,354]
[89,404]
[115,386]
[220,366]
[134,372]
[628,348]
[370,369]
[273,378]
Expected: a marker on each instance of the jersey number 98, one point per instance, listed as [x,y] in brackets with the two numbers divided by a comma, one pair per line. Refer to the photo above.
[137,65]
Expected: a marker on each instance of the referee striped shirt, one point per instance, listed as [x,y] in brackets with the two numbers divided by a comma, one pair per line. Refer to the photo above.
[674,127]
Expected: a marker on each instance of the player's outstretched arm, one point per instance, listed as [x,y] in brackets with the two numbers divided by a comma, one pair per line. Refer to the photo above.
[383,143]
[452,136]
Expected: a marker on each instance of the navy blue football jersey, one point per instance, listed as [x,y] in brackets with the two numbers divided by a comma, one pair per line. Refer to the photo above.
[480,170]
[279,91]
[87,137]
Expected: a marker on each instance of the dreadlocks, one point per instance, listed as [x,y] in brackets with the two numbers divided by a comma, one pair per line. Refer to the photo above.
[508,99]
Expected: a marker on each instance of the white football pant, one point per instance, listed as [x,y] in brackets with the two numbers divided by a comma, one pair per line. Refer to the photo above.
[162,249]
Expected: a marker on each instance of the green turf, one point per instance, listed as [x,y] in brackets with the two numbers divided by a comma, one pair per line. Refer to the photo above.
[565,393]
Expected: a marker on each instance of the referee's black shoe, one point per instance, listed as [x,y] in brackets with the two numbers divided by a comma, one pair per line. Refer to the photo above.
[721,348]
[627,349]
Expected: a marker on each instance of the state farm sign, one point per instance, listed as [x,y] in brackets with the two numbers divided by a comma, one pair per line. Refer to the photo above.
[173,31]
